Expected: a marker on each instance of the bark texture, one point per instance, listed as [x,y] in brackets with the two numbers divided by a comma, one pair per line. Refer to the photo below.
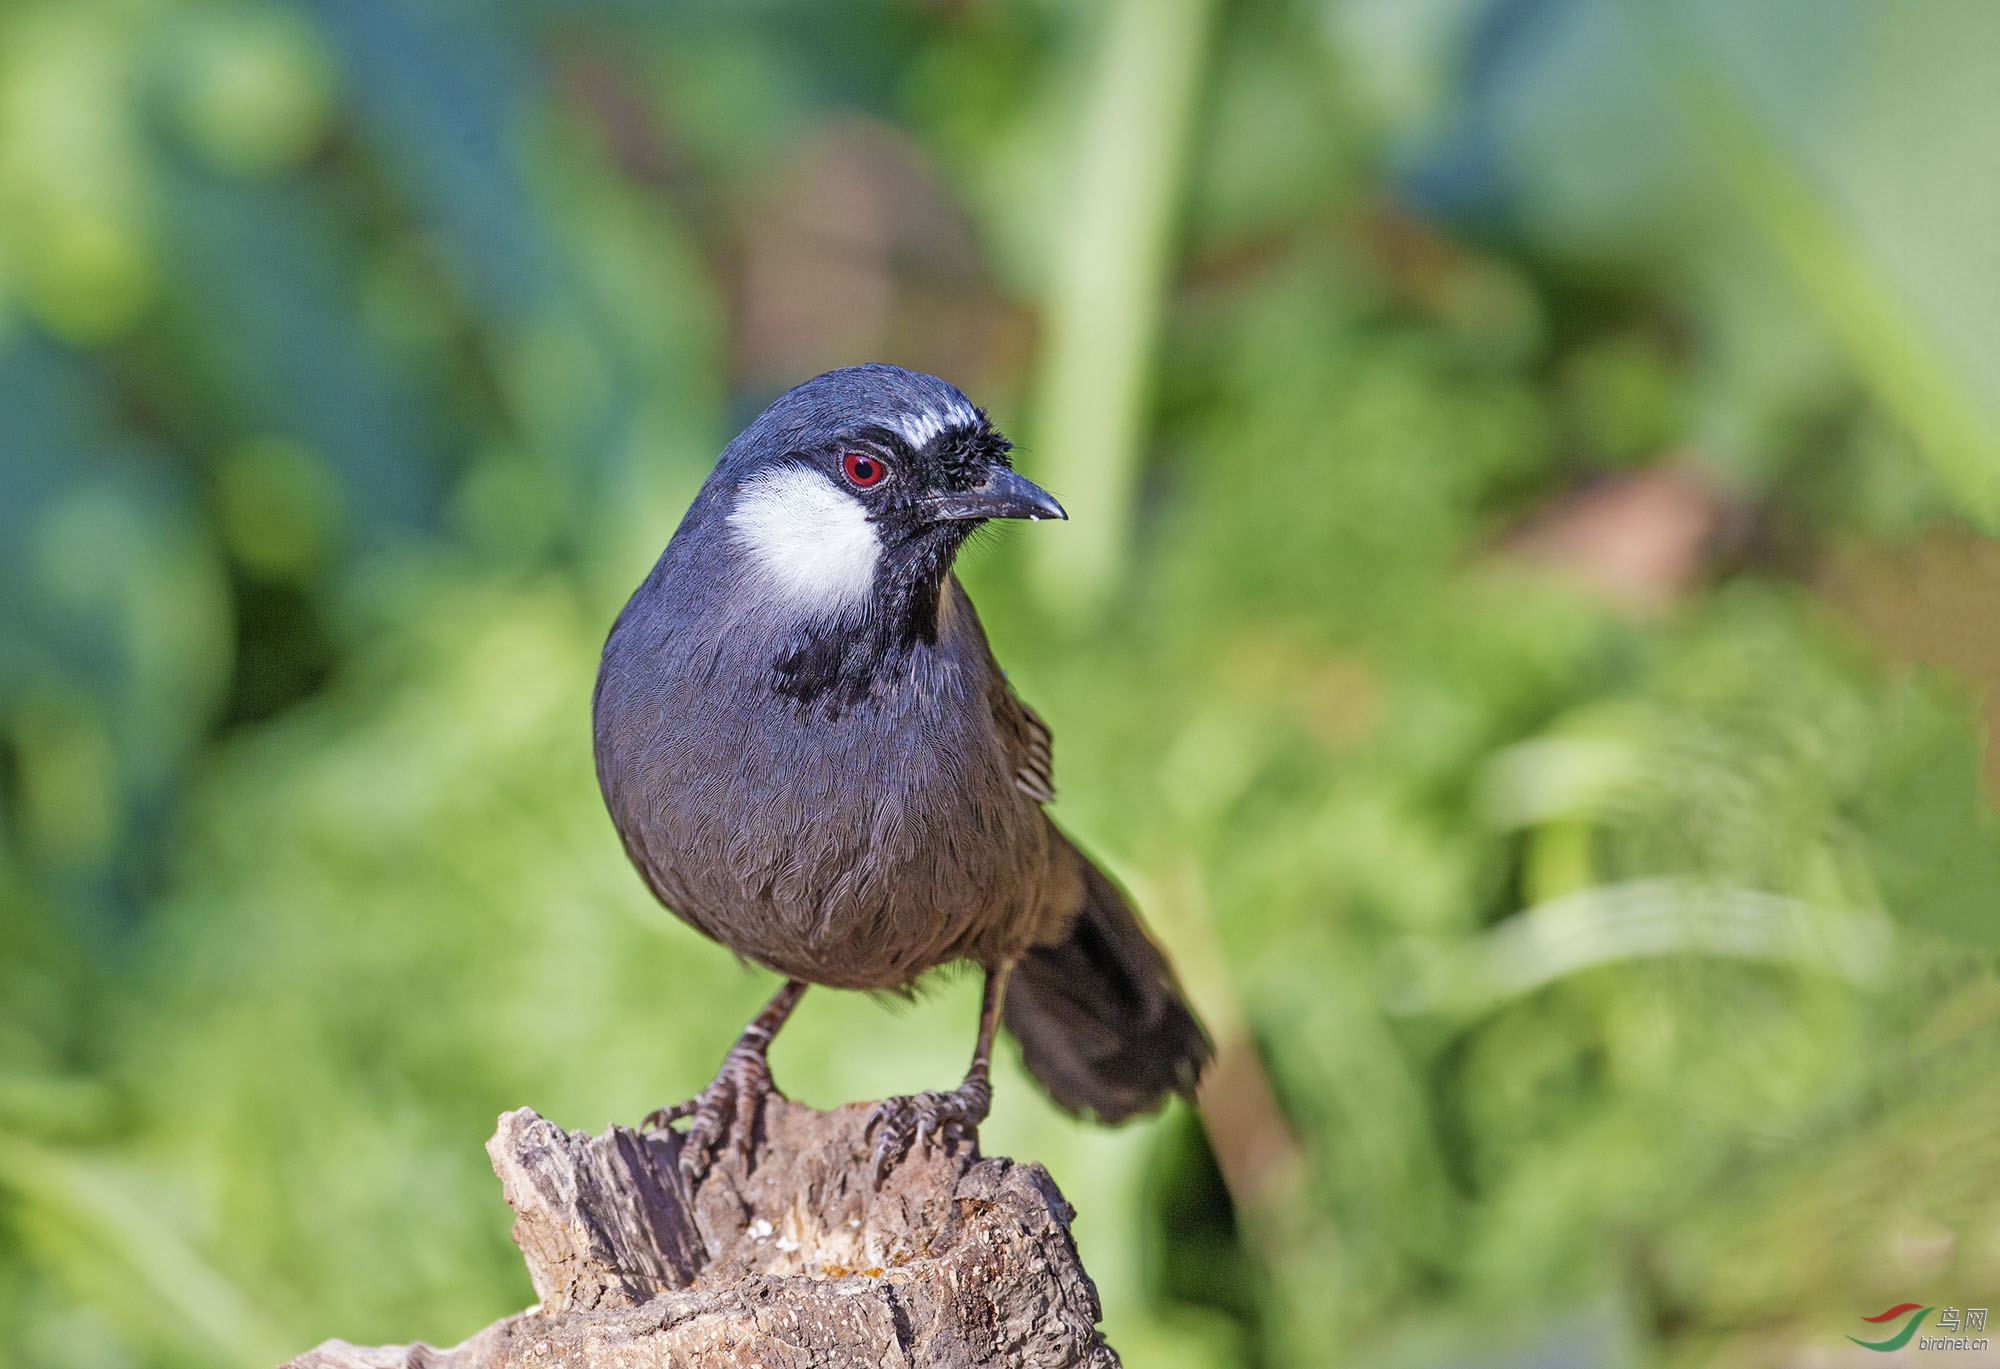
[792,1259]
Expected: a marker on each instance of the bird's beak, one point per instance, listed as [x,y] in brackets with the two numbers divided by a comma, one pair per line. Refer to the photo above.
[1003,494]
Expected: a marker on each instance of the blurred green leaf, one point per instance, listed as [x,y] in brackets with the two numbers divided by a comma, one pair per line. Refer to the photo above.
[1937,840]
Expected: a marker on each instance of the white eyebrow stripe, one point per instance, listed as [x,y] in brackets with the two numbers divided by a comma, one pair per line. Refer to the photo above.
[919,428]
[811,542]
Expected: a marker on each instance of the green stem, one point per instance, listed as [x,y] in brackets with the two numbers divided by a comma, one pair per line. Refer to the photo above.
[1111,266]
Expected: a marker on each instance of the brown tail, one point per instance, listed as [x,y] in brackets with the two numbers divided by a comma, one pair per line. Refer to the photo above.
[1102,1022]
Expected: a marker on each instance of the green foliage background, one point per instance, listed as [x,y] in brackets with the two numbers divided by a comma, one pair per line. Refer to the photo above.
[1521,454]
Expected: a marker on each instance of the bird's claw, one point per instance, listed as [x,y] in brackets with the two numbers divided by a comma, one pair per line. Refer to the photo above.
[729,1106]
[659,1119]
[910,1121]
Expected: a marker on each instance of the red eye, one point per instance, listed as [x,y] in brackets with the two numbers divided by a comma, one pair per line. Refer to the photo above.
[862,471]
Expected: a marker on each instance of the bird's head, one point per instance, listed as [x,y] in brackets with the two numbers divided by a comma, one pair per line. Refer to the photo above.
[849,497]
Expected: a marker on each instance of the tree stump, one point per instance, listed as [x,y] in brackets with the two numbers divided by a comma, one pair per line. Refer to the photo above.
[791,1259]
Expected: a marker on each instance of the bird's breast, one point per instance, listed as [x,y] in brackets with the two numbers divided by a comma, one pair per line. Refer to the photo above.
[855,845]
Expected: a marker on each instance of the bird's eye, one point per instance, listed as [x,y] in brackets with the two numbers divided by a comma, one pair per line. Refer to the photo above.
[862,470]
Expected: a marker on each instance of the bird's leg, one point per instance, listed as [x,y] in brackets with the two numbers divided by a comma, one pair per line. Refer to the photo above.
[906,1122]
[737,1093]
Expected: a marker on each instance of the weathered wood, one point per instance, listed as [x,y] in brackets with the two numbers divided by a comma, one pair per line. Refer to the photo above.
[793,1259]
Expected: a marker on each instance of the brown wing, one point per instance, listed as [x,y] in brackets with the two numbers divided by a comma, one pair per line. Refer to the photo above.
[1026,738]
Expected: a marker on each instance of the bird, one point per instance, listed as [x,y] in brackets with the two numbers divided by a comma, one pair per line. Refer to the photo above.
[811,756]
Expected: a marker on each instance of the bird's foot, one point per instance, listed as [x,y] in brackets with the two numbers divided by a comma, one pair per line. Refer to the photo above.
[907,1122]
[729,1106]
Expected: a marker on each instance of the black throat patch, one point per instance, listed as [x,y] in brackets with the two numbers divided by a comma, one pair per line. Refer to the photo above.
[836,665]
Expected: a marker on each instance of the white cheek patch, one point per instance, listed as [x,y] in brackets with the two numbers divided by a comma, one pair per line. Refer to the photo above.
[918,429]
[810,540]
